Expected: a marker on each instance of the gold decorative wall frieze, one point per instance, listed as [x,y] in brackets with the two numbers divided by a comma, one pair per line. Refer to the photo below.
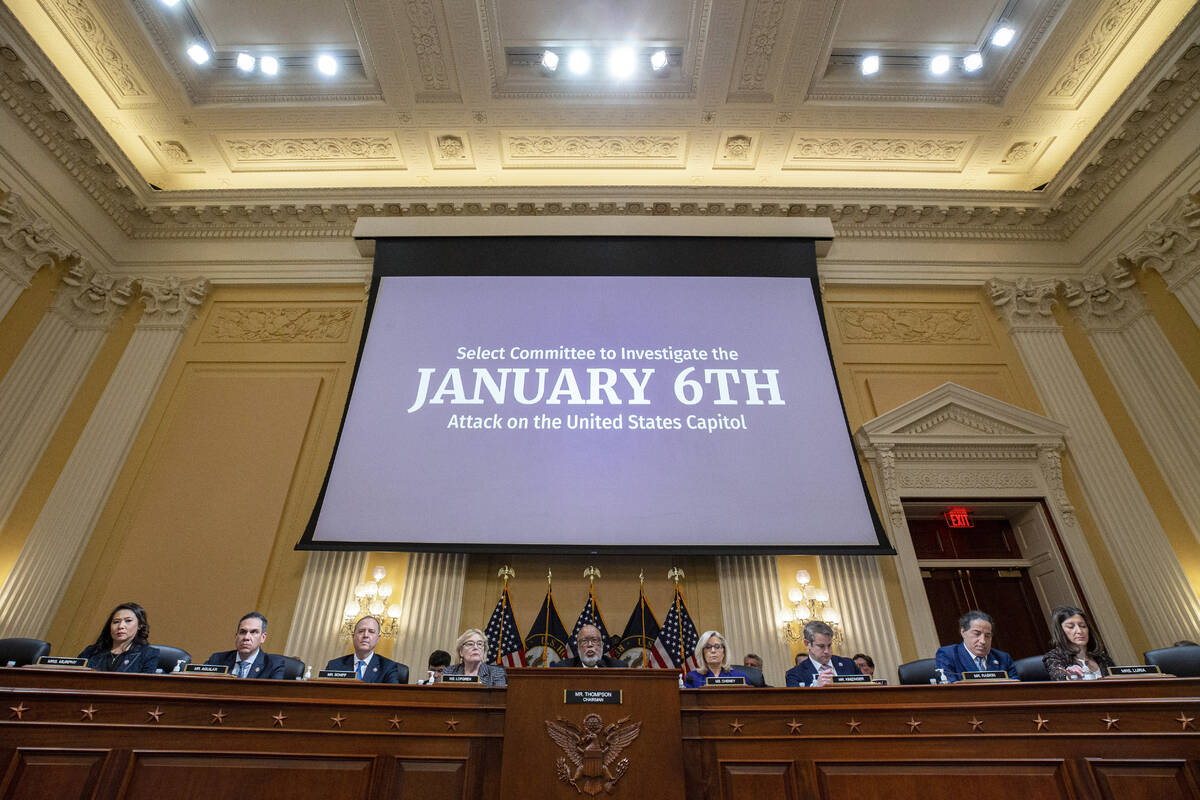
[299,324]
[551,149]
[101,49]
[341,151]
[807,151]
[908,325]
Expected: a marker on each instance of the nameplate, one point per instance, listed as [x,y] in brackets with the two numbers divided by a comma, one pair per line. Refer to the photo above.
[338,674]
[206,669]
[986,675]
[851,679]
[61,661]
[459,679]
[607,697]
[879,682]
[1134,669]
[725,680]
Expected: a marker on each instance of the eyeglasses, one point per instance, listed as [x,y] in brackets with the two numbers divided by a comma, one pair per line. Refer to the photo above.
[475,644]
[715,646]
[586,642]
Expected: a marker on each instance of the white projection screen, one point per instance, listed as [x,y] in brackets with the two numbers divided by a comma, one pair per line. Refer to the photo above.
[595,394]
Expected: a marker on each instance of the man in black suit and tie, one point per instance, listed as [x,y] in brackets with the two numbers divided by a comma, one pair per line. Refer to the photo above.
[369,666]
[821,665]
[591,651]
[248,659]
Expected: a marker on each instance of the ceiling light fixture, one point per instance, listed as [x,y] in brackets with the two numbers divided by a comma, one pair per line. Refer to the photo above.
[973,62]
[869,65]
[658,60]
[269,65]
[579,62]
[622,62]
[327,65]
[1003,36]
[940,64]
[245,62]
[550,60]
[170,3]
[198,53]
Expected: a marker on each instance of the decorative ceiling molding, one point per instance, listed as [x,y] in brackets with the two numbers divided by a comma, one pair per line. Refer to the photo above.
[850,152]
[342,151]
[1095,50]
[102,51]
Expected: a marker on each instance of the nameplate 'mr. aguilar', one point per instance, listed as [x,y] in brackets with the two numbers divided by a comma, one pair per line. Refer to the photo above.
[206,669]
[608,697]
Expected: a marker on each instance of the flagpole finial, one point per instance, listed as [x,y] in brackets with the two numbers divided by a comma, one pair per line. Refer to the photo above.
[549,577]
[641,577]
[675,574]
[505,573]
[591,573]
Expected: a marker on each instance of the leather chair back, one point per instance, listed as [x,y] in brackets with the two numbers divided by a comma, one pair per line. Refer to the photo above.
[293,668]
[917,672]
[1183,662]
[754,677]
[22,651]
[168,657]
[1031,669]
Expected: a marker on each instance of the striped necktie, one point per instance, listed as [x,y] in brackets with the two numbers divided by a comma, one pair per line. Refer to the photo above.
[361,664]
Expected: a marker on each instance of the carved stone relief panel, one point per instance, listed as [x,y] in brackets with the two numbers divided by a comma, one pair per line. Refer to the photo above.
[1091,54]
[909,325]
[451,150]
[560,149]
[1021,155]
[737,150]
[265,152]
[912,152]
[94,40]
[306,323]
[172,153]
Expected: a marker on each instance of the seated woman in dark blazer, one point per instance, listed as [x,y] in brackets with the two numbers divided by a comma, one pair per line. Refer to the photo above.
[714,661]
[124,643]
[1078,653]
[472,659]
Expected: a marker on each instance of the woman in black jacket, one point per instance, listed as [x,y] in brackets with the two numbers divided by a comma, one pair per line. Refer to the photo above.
[124,643]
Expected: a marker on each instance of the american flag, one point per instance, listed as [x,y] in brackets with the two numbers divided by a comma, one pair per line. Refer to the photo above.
[505,646]
[590,615]
[677,639]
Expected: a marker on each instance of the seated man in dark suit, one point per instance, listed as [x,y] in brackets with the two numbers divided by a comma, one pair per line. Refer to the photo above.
[591,651]
[821,665]
[369,666]
[752,666]
[974,653]
[248,659]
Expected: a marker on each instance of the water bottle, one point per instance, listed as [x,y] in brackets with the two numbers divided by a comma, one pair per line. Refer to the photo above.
[942,675]
[179,666]
[307,673]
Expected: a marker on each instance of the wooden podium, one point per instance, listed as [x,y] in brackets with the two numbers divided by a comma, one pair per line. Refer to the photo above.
[592,731]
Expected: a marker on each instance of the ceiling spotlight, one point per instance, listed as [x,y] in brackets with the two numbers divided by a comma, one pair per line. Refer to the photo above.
[550,60]
[327,65]
[245,62]
[1003,36]
[170,3]
[658,60]
[579,62]
[622,62]
[268,65]
[973,62]
[198,53]
[869,65]
[939,64]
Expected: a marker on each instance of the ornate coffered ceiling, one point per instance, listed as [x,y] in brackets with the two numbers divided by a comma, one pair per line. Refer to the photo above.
[764,112]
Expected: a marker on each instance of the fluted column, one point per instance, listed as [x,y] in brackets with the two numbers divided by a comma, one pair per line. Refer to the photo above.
[1164,600]
[27,243]
[31,594]
[329,581]
[750,606]
[856,590]
[1153,383]
[37,389]
[430,608]
[1171,245]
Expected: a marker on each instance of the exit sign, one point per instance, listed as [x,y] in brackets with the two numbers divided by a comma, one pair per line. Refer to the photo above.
[958,517]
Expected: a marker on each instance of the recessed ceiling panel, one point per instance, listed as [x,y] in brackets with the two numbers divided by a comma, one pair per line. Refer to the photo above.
[916,25]
[236,23]
[526,21]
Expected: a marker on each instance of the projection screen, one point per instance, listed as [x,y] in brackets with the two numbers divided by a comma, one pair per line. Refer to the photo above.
[595,394]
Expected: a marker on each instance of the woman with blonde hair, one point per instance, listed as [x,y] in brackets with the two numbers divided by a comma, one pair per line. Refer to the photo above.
[713,656]
[471,647]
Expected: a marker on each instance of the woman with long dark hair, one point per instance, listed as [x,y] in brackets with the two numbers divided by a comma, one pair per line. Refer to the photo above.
[1077,652]
[124,643]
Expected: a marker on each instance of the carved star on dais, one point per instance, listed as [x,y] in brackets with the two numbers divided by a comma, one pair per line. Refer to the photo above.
[452,725]
[394,722]
[337,720]
[279,718]
[736,726]
[1042,723]
[1184,720]
[20,708]
[794,726]
[1110,722]
[218,718]
[975,723]
[854,725]
[89,712]
[914,725]
[155,714]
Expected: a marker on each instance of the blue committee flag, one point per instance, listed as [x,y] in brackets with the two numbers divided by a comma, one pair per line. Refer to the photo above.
[505,646]
[637,641]
[547,639]
[677,640]
[590,615]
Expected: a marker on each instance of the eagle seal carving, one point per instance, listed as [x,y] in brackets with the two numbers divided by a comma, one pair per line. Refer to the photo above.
[592,752]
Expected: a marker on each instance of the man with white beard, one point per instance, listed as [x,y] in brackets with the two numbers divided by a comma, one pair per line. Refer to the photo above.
[591,651]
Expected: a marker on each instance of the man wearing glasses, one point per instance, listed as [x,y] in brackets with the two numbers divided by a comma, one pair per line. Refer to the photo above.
[590,651]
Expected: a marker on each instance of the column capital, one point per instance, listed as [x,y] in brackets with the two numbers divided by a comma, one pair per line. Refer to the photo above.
[27,242]
[1027,304]
[1171,243]
[92,299]
[171,303]
[1105,302]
